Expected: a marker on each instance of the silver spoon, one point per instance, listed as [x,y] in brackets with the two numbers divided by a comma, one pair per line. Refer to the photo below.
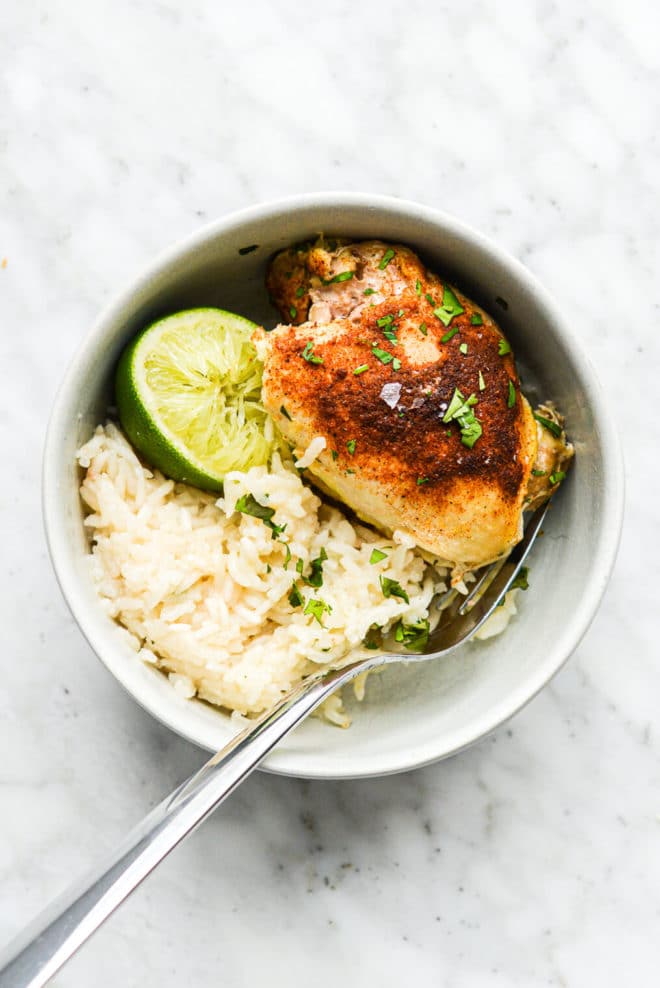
[55,935]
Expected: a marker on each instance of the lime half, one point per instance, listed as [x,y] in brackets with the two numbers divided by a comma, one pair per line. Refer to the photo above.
[189,397]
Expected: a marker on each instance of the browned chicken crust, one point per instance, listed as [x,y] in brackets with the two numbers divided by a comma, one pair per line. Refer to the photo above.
[378,350]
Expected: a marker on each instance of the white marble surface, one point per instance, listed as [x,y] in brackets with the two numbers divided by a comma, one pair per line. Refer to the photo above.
[532,859]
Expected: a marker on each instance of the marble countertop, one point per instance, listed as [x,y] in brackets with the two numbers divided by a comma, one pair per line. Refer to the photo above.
[532,859]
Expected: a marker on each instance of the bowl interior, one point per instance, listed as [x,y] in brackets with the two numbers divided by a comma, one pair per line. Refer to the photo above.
[411,714]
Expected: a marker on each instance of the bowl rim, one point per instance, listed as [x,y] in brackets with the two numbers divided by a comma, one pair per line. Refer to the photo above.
[300,764]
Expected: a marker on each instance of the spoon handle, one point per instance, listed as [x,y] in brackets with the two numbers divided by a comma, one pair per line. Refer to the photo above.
[54,936]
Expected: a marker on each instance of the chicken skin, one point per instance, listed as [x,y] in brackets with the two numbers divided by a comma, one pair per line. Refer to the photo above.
[414,389]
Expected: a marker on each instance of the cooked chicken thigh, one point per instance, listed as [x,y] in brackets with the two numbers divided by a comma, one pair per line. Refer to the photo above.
[415,391]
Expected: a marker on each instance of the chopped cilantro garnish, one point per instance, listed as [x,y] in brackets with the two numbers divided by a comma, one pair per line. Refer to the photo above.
[315,578]
[293,312]
[287,557]
[412,636]
[300,292]
[338,278]
[449,334]
[521,581]
[377,555]
[387,257]
[387,324]
[317,607]
[396,365]
[422,480]
[369,291]
[549,425]
[309,355]
[334,454]
[450,307]
[418,287]
[456,406]
[248,505]
[361,369]
[475,319]
[296,599]
[511,397]
[460,409]
[350,446]
[299,566]
[391,588]
[503,347]
[382,355]
[463,348]
[538,473]
[557,477]
[482,383]
[423,329]
[429,299]
[370,643]
[470,432]
[285,413]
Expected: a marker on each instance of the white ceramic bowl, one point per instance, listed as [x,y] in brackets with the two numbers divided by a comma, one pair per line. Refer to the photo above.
[412,714]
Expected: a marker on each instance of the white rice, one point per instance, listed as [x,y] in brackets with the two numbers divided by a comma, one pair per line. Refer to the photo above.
[204,589]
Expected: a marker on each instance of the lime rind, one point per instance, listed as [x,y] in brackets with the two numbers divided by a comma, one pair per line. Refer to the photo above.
[189,397]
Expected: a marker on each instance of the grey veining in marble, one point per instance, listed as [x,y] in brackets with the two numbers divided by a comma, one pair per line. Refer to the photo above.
[532,859]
